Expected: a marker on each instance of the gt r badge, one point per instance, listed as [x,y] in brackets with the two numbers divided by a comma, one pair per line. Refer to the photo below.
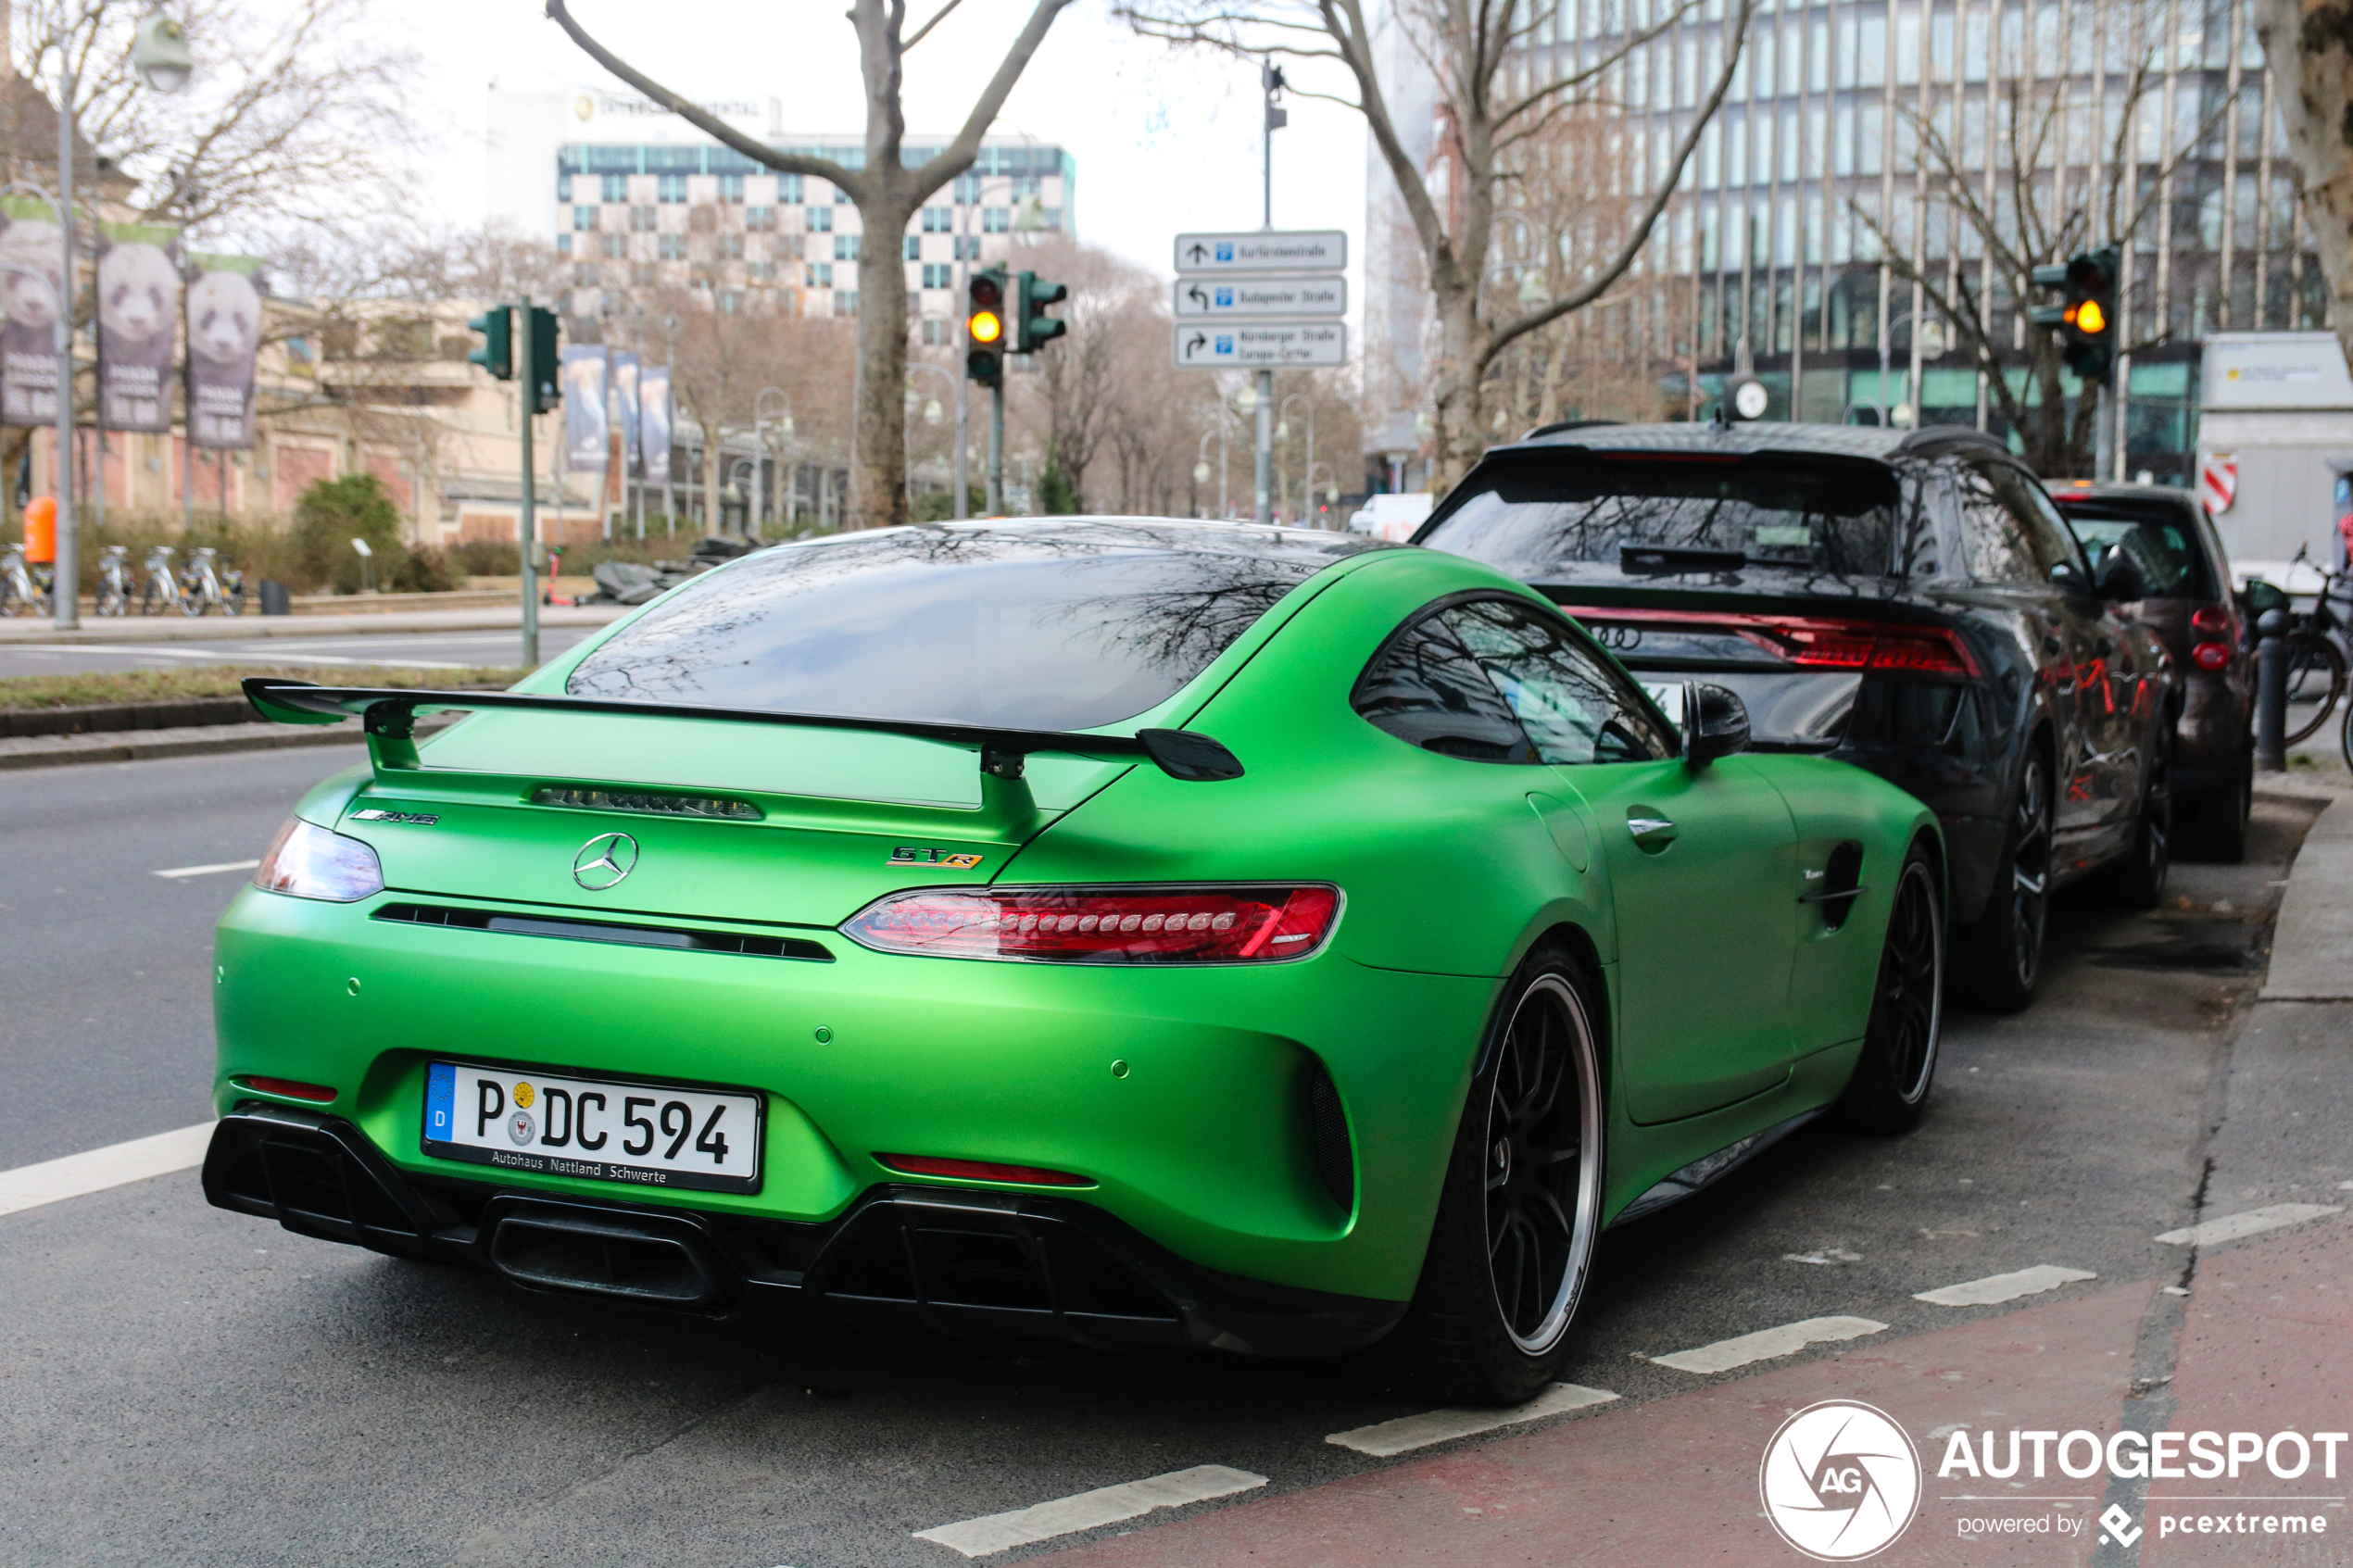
[911,855]
[604,861]
[376,815]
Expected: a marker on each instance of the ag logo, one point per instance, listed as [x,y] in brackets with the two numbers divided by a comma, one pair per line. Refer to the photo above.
[604,861]
[1840,1481]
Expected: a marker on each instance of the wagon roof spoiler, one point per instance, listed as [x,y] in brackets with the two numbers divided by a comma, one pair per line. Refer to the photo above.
[389,716]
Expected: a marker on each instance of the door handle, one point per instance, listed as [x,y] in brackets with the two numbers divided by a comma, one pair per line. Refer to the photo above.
[1653,830]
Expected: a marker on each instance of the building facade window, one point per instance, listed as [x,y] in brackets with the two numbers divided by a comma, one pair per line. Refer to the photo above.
[845,247]
[788,187]
[996,219]
[563,188]
[731,248]
[821,274]
[939,275]
[821,220]
[760,219]
[966,190]
[670,247]
[613,247]
[968,247]
[939,219]
[914,248]
[563,244]
[731,189]
[584,218]
[845,302]
[670,187]
[643,221]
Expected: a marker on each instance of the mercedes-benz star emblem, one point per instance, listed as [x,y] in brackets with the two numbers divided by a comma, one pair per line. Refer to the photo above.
[604,861]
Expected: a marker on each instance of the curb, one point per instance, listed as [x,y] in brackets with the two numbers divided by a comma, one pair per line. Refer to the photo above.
[2312,941]
[147,746]
[251,628]
[108,717]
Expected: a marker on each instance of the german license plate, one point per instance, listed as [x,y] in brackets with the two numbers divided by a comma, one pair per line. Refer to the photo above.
[643,1134]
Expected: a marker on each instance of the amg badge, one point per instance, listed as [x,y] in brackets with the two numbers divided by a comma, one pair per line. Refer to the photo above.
[376,815]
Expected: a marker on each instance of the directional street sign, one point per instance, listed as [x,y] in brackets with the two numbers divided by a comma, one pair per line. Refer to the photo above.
[1220,347]
[1313,250]
[1262,297]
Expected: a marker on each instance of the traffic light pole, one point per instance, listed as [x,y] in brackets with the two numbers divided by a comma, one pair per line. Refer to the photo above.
[997,449]
[1270,80]
[527,546]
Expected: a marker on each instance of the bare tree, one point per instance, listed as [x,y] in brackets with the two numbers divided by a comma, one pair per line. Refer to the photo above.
[886,193]
[2309,44]
[1487,114]
[2029,212]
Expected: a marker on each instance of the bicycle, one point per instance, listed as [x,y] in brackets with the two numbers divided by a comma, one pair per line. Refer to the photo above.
[2316,663]
[115,580]
[24,590]
[201,588]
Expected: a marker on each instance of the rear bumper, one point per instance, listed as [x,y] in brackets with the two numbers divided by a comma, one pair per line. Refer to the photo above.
[960,1261]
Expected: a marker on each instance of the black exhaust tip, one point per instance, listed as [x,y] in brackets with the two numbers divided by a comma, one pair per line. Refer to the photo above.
[648,1258]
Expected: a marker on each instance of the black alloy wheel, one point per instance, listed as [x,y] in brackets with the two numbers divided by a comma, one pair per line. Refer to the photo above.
[2001,956]
[1520,1214]
[1889,1090]
[2138,880]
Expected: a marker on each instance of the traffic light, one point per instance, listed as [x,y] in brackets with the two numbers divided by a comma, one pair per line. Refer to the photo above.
[985,326]
[1033,329]
[547,384]
[2086,322]
[2090,330]
[496,354]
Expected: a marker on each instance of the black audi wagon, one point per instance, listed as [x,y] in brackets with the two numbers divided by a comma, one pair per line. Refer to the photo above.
[1910,602]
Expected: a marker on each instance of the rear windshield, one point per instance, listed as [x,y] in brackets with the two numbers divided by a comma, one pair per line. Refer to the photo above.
[1575,517]
[2159,536]
[1046,627]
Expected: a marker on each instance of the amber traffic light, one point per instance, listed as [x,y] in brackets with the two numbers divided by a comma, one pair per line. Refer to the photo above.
[985,326]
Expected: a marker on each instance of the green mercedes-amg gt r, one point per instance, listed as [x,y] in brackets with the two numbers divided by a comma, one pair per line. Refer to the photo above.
[1149,933]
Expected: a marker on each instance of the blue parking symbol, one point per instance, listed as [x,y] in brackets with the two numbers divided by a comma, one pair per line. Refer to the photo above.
[1225,250]
[1225,299]
[1224,345]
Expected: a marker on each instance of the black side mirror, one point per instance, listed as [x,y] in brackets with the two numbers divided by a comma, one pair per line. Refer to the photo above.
[1714,725]
[2117,577]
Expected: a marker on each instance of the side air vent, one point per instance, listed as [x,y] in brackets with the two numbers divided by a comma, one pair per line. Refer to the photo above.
[749,945]
[1327,1127]
[1840,884]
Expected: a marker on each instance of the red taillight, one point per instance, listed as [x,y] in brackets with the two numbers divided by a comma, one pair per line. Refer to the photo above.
[2210,620]
[980,1170]
[318,1094]
[1863,644]
[2211,656]
[1101,926]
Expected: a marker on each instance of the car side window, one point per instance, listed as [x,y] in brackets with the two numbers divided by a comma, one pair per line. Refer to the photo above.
[2008,539]
[1453,678]
[2053,543]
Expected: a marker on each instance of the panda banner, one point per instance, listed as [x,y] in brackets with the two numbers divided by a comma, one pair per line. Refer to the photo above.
[224,330]
[653,422]
[588,436]
[31,273]
[138,310]
[625,397]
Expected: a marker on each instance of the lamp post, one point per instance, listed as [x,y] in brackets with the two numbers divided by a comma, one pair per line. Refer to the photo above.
[1331,492]
[1283,428]
[760,435]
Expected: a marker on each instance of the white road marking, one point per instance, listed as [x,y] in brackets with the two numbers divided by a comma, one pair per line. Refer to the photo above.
[1767,1343]
[76,1176]
[207,870]
[2004,1288]
[1105,1505]
[1409,1432]
[2230,1227]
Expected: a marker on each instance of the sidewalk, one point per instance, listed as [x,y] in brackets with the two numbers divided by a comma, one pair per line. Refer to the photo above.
[244,628]
[2256,1337]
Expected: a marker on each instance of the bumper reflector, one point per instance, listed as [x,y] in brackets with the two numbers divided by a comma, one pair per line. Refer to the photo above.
[2211,656]
[980,1170]
[317,1094]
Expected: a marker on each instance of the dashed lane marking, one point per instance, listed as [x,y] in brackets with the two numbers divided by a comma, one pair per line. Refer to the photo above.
[75,1175]
[2004,1288]
[1409,1432]
[1767,1343]
[2230,1227]
[178,872]
[1105,1505]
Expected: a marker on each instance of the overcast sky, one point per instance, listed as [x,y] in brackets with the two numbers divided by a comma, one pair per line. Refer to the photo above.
[1162,140]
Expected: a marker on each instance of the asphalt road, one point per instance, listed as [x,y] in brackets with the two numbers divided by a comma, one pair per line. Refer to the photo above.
[187,1385]
[427,650]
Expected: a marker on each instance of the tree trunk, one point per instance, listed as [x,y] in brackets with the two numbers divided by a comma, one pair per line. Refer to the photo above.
[1457,398]
[2310,49]
[878,462]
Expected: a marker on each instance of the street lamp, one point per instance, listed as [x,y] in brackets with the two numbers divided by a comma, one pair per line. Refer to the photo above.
[1282,431]
[159,53]
[760,436]
[1332,485]
[931,416]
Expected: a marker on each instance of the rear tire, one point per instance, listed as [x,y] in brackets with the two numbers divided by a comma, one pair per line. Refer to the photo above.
[2315,674]
[1512,1247]
[1999,959]
[2220,825]
[1889,1091]
[2137,881]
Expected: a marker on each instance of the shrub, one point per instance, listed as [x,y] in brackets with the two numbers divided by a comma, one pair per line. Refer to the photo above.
[334,512]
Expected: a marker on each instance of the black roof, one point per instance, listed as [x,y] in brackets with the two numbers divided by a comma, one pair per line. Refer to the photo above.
[1843,441]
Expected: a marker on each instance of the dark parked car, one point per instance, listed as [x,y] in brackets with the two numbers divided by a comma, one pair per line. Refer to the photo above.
[2189,602]
[1911,603]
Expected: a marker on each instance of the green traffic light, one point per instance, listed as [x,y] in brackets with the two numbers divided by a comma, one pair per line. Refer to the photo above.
[1032,327]
[496,354]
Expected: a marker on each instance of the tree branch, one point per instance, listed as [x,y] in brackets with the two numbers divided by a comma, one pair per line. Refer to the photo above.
[923,31]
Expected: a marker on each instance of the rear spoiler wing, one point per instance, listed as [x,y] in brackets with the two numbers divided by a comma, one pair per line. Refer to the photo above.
[389,716]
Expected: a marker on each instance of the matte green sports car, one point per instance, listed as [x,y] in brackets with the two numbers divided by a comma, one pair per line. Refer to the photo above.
[1149,933]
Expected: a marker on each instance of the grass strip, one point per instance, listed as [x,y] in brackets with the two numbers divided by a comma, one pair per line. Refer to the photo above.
[30,693]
